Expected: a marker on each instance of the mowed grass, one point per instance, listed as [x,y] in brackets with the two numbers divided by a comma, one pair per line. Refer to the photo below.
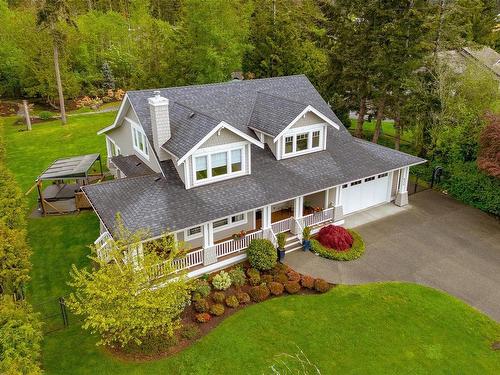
[387,129]
[387,328]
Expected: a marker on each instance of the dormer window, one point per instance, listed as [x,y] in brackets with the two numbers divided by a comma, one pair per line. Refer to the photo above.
[218,165]
[140,142]
[302,140]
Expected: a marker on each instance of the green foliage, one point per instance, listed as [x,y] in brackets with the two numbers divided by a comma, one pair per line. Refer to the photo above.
[261,254]
[266,278]
[306,233]
[232,301]
[281,277]
[190,331]
[202,287]
[281,239]
[238,278]
[14,259]
[219,297]
[151,345]
[221,281]
[45,115]
[217,309]
[20,338]
[120,300]
[357,249]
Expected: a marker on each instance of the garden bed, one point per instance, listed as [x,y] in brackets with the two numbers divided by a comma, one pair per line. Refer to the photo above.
[354,252]
[282,281]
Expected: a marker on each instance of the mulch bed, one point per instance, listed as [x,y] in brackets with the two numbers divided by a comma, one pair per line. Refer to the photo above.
[188,318]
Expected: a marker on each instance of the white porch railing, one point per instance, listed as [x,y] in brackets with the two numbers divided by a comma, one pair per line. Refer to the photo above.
[103,246]
[298,229]
[233,246]
[316,218]
[192,259]
[282,225]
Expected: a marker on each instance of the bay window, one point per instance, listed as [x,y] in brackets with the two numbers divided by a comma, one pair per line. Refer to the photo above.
[218,164]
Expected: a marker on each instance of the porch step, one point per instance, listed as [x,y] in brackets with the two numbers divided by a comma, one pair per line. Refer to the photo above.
[292,244]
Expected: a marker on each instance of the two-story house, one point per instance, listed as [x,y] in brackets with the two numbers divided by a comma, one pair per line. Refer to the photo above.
[260,156]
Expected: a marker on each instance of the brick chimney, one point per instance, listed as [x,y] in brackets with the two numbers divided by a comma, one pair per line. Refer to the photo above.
[160,123]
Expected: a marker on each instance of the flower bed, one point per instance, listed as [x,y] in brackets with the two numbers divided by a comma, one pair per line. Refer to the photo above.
[210,305]
[357,249]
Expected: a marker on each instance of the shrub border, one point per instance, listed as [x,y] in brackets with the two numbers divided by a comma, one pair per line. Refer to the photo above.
[357,249]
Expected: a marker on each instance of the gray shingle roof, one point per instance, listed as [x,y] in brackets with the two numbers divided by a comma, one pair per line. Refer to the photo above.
[272,114]
[131,165]
[232,102]
[159,204]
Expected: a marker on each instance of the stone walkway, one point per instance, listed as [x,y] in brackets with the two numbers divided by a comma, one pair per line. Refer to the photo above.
[435,241]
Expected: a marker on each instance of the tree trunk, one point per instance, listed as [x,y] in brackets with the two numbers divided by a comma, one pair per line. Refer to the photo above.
[397,127]
[59,83]
[361,118]
[378,124]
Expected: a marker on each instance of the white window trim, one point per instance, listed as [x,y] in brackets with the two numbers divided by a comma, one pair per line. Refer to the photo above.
[306,129]
[229,225]
[214,150]
[138,129]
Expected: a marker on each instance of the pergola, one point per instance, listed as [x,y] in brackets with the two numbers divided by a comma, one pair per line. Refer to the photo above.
[63,197]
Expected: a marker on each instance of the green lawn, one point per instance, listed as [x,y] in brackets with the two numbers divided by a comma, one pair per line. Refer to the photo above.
[387,129]
[377,328]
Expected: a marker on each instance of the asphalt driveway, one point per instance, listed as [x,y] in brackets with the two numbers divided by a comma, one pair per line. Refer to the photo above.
[437,242]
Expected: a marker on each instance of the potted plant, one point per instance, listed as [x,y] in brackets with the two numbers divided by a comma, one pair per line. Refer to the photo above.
[239,236]
[281,238]
[306,238]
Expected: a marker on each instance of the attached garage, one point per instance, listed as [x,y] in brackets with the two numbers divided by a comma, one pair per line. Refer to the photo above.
[367,192]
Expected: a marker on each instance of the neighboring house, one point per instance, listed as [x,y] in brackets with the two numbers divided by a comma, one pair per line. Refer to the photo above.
[485,57]
[260,156]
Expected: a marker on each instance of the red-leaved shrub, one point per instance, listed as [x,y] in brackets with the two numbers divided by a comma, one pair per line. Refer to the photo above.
[335,237]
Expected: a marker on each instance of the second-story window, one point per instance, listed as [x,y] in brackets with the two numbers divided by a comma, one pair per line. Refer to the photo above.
[302,142]
[219,164]
[140,141]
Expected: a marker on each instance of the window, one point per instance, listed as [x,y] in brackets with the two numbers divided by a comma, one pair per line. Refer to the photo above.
[218,164]
[355,183]
[237,218]
[369,179]
[382,175]
[236,161]
[288,145]
[302,142]
[140,142]
[221,223]
[201,167]
[193,232]
[315,139]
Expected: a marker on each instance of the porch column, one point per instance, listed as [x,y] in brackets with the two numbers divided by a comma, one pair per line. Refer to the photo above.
[298,207]
[266,217]
[402,194]
[338,211]
[327,199]
[209,253]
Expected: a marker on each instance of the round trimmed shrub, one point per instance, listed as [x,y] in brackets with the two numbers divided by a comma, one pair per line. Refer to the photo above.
[201,305]
[281,278]
[262,254]
[357,249]
[252,272]
[335,237]
[238,278]
[190,331]
[221,281]
[275,288]
[307,282]
[259,293]
[292,287]
[279,268]
[293,275]
[219,297]
[243,298]
[321,286]
[45,115]
[202,317]
[266,278]
[232,301]
[202,287]
[217,309]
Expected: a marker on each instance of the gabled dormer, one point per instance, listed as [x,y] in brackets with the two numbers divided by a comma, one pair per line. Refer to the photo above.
[288,127]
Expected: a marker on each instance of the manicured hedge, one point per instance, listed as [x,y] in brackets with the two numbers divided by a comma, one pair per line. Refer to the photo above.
[357,249]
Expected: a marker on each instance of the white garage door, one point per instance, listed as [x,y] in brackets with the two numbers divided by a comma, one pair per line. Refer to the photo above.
[365,193]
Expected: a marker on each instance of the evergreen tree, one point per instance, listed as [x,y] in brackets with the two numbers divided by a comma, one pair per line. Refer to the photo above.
[108,82]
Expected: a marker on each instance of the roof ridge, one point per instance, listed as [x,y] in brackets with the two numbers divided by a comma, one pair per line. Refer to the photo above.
[221,83]
[281,97]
